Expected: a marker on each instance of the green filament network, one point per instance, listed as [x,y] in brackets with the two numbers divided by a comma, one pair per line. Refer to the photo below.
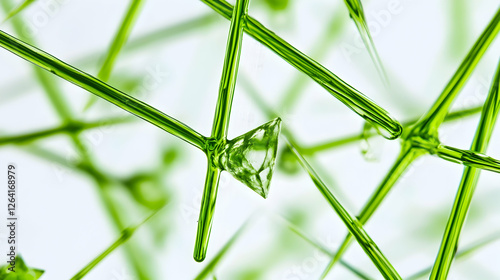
[348,95]
[425,131]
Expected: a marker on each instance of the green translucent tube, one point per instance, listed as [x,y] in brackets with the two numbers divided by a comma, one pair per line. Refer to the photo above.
[101,89]
[219,130]
[468,183]
[348,95]
[354,226]
[117,44]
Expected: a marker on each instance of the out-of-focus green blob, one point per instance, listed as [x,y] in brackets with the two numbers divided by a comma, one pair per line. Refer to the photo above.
[277,5]
[20,271]
[287,162]
[170,156]
[147,191]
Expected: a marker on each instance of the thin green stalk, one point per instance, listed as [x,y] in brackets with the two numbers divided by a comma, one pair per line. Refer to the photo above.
[266,109]
[209,268]
[348,95]
[124,237]
[59,104]
[117,44]
[452,116]
[323,249]
[465,157]
[220,126]
[460,21]
[103,181]
[468,158]
[405,158]
[72,127]
[481,243]
[320,49]
[468,183]
[101,89]
[206,213]
[140,42]
[430,122]
[168,32]
[358,16]
[425,130]
[353,225]
[25,4]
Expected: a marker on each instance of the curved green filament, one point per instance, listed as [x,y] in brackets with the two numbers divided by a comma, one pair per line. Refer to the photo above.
[468,183]
[101,89]
[348,95]
[119,41]
[220,127]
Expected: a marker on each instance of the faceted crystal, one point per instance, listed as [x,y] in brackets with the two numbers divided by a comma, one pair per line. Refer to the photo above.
[251,157]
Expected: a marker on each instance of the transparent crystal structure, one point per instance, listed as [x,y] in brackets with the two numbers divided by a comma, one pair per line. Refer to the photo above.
[251,157]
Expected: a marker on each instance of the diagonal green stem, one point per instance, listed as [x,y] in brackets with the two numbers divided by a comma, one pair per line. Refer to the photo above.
[65,128]
[101,89]
[460,254]
[452,116]
[353,225]
[56,98]
[140,42]
[117,44]
[25,4]
[358,16]
[427,127]
[405,158]
[323,249]
[124,237]
[467,184]
[296,149]
[320,49]
[468,158]
[220,127]
[429,123]
[348,95]
[222,252]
